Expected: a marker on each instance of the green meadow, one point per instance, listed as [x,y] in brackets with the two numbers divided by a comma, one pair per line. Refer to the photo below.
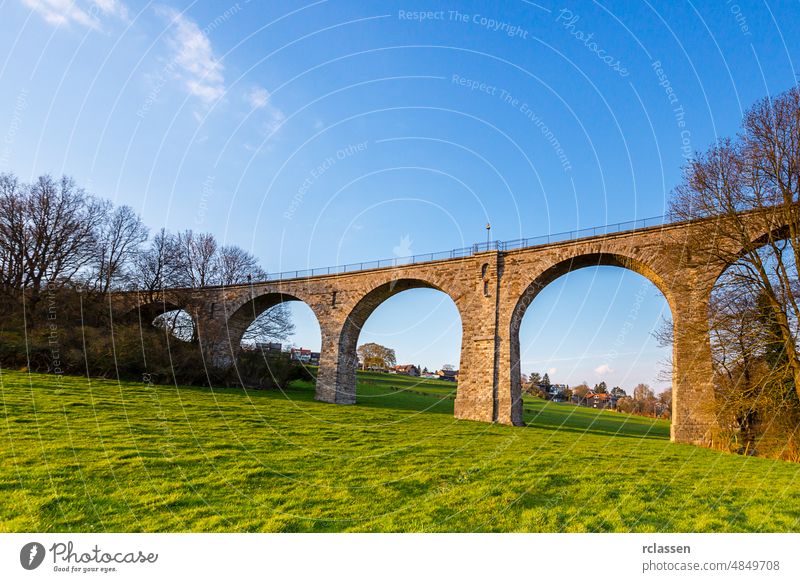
[97,455]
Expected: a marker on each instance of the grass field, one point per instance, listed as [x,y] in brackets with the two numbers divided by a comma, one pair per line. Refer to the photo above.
[79,455]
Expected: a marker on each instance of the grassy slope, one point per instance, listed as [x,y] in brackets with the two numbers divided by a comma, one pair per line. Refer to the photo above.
[103,456]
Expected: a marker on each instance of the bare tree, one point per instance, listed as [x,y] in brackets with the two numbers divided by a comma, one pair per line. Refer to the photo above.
[191,259]
[274,324]
[52,232]
[581,390]
[626,404]
[119,237]
[665,400]
[196,261]
[178,323]
[235,265]
[48,232]
[758,171]
[62,225]
[643,392]
[12,233]
[644,400]
[153,266]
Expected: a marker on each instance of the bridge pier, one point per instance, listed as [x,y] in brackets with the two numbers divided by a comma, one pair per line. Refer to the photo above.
[336,376]
[214,335]
[693,398]
[485,392]
[475,396]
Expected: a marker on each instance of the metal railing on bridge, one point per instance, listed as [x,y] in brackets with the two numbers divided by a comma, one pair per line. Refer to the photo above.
[496,245]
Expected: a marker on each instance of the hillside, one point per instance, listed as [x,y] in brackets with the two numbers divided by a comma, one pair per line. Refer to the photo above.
[107,456]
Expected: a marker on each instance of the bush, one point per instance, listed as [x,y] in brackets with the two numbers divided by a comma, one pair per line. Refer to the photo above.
[72,333]
[255,369]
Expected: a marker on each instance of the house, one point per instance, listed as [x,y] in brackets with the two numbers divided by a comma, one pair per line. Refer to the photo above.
[300,355]
[449,375]
[269,347]
[304,356]
[407,370]
[601,400]
[554,392]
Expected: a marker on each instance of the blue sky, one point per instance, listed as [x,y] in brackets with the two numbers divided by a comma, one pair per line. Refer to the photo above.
[327,132]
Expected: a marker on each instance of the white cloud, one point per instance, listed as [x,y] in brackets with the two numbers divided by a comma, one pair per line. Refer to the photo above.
[551,371]
[258,97]
[603,369]
[193,56]
[193,61]
[84,12]
[112,8]
[276,118]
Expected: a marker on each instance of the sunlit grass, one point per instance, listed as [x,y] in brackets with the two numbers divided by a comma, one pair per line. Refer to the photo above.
[79,455]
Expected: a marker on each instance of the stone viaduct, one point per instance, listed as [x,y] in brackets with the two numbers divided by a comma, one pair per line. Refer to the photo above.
[492,289]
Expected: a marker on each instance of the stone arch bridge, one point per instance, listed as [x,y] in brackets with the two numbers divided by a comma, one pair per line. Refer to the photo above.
[492,287]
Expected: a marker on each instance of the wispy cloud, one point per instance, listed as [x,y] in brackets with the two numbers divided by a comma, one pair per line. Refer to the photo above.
[259,98]
[603,369]
[112,8]
[193,57]
[274,121]
[83,12]
[551,371]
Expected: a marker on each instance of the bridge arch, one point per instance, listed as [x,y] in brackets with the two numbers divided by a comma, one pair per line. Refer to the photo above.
[250,308]
[347,339]
[167,313]
[240,333]
[147,311]
[548,276]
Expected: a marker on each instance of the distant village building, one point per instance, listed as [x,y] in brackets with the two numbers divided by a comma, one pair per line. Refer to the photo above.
[407,369]
[449,375]
[269,347]
[597,400]
[555,392]
[304,356]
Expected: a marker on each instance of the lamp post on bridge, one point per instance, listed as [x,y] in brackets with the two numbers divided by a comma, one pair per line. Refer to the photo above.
[488,235]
